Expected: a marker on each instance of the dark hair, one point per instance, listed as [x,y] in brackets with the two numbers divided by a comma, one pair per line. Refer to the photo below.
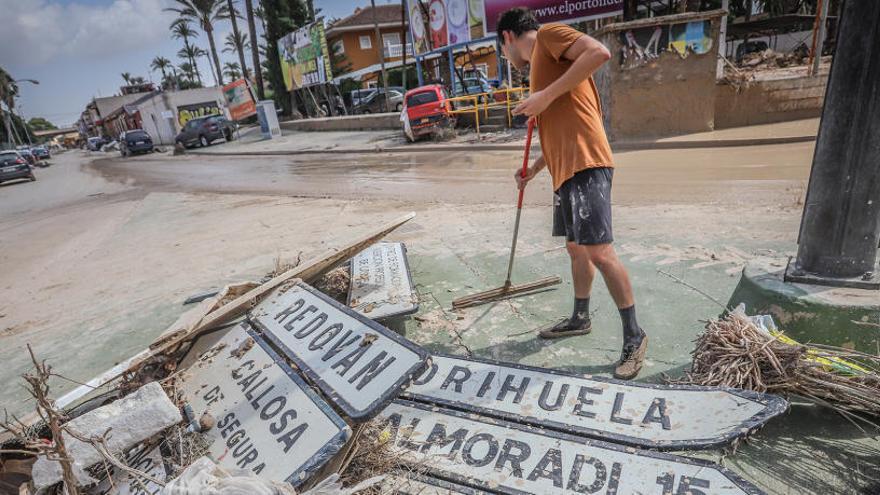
[517,20]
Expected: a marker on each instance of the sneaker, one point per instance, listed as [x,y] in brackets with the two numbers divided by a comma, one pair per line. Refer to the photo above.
[566,328]
[631,361]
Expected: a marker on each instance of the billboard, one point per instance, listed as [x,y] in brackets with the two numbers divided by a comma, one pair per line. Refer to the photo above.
[239,101]
[305,60]
[554,10]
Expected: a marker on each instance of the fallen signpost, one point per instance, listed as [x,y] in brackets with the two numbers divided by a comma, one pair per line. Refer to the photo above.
[381,284]
[358,364]
[268,420]
[665,417]
[508,458]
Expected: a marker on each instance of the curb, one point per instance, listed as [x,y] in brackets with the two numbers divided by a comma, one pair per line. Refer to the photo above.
[615,146]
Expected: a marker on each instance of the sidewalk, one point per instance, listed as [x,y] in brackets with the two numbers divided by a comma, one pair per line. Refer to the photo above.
[251,142]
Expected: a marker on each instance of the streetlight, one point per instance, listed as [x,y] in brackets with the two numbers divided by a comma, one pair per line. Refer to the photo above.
[21,114]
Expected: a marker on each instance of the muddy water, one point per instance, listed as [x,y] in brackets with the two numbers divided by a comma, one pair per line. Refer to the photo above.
[750,175]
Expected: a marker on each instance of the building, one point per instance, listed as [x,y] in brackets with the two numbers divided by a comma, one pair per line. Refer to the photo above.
[353,45]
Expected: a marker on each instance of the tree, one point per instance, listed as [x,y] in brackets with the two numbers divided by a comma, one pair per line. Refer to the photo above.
[191,53]
[232,70]
[161,64]
[41,124]
[255,56]
[138,80]
[231,44]
[8,91]
[205,13]
[126,76]
[239,39]
[181,29]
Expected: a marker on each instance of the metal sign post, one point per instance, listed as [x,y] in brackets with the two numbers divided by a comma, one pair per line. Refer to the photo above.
[268,420]
[508,458]
[358,364]
[654,416]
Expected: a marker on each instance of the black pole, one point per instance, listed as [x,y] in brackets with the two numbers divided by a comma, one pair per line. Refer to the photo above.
[840,227]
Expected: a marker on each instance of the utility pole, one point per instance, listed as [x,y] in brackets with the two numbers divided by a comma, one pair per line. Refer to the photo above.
[381,49]
[722,40]
[840,227]
[403,32]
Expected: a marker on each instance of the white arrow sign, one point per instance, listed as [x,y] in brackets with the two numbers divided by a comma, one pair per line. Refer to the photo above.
[656,416]
[508,458]
[359,364]
[268,420]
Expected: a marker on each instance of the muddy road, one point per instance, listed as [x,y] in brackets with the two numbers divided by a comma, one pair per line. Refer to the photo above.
[757,175]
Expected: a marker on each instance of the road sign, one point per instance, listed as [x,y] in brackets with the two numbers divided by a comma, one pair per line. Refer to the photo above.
[359,364]
[655,416]
[144,459]
[381,283]
[509,458]
[268,420]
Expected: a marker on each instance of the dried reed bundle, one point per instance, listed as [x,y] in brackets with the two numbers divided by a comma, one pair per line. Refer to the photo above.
[735,352]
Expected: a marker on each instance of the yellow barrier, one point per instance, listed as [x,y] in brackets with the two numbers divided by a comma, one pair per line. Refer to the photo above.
[475,105]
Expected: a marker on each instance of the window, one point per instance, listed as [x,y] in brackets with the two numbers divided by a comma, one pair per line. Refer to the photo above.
[390,39]
[421,98]
[338,47]
[366,42]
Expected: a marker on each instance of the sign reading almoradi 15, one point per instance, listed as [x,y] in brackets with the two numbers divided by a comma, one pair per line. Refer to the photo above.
[305,60]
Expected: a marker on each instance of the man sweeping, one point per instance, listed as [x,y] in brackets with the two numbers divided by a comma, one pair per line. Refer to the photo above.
[575,150]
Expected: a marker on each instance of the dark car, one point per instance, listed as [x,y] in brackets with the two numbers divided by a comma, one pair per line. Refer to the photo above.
[375,103]
[41,152]
[14,166]
[135,141]
[29,156]
[205,130]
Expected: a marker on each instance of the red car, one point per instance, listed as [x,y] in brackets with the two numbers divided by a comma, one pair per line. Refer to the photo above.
[427,109]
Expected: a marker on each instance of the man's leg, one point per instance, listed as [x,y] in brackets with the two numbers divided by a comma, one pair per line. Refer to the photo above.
[582,273]
[635,342]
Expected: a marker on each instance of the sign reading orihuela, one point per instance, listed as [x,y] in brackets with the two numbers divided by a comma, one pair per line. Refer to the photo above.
[656,416]
[381,286]
[515,459]
[359,364]
[268,420]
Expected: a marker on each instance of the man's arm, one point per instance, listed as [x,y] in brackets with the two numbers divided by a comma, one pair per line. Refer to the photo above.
[587,55]
[531,172]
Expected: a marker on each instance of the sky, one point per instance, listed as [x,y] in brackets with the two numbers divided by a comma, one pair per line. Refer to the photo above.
[77,49]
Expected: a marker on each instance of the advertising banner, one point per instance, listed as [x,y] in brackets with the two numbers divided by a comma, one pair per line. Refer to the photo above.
[459,31]
[417,26]
[185,113]
[305,60]
[476,19]
[554,10]
[239,101]
[437,22]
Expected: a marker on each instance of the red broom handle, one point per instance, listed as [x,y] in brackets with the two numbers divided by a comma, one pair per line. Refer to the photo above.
[525,169]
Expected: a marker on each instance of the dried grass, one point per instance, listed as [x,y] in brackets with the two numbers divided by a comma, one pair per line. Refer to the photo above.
[375,456]
[734,352]
[335,284]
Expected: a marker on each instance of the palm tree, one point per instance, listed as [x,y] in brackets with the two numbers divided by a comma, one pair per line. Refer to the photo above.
[8,92]
[188,70]
[231,44]
[232,70]
[127,78]
[206,13]
[255,56]
[181,30]
[201,52]
[160,64]
[192,53]
[238,37]
[138,80]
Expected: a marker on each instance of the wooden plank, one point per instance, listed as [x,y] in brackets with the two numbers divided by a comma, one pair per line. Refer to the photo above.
[307,271]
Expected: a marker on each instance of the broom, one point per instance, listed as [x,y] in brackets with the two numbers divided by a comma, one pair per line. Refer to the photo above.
[508,289]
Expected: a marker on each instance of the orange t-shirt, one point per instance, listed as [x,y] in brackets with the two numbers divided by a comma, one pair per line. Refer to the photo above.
[572,135]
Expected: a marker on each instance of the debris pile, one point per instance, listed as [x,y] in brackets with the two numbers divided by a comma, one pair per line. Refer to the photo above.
[735,351]
[769,59]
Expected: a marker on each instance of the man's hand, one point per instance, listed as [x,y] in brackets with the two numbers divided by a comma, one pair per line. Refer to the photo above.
[536,103]
[521,181]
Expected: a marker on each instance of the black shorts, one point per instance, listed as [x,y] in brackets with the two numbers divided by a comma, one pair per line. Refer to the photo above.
[582,207]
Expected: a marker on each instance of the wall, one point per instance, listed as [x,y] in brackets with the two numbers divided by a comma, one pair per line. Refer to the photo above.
[162,129]
[648,88]
[762,102]
[356,58]
[371,122]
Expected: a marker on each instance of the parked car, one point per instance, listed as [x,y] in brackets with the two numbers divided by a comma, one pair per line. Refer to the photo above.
[29,156]
[427,109]
[41,152]
[135,141]
[95,143]
[205,130]
[375,103]
[358,95]
[472,86]
[14,166]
